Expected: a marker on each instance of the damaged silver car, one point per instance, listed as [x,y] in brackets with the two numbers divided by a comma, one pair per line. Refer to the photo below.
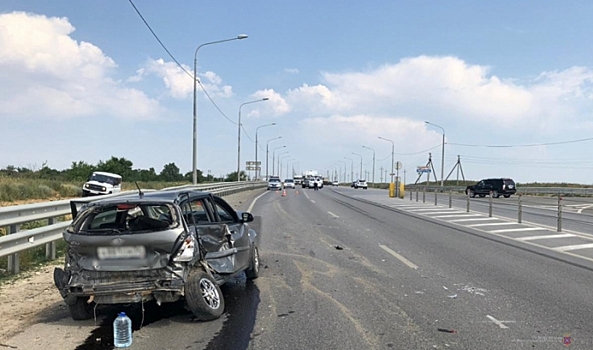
[164,245]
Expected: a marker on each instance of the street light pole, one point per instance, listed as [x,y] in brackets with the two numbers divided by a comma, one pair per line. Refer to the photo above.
[256,129]
[268,155]
[442,154]
[195,109]
[392,155]
[239,136]
[274,157]
[341,161]
[351,168]
[373,163]
[360,176]
[279,169]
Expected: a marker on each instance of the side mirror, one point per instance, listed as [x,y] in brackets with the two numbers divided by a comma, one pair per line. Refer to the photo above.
[246,217]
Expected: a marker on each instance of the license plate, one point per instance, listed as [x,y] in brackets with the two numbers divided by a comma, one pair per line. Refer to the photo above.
[129,252]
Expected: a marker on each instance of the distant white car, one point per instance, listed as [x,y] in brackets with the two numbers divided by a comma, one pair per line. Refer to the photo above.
[289,183]
[360,184]
[274,184]
[335,183]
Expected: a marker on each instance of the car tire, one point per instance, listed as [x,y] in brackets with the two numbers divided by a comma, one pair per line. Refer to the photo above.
[81,309]
[203,296]
[472,193]
[506,195]
[253,271]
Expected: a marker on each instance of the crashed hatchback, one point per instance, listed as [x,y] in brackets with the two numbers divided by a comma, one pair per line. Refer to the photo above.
[165,245]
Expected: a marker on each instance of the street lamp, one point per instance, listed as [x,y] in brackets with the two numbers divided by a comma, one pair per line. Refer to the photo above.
[343,162]
[239,136]
[268,155]
[442,154]
[392,154]
[195,130]
[373,162]
[274,158]
[280,170]
[256,129]
[287,163]
[351,168]
[360,176]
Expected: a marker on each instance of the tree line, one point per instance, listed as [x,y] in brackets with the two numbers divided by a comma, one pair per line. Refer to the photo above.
[80,171]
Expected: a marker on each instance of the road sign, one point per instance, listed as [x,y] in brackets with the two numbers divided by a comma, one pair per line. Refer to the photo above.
[252,163]
[423,169]
[398,165]
[252,167]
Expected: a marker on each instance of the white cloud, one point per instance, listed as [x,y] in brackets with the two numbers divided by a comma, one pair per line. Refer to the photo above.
[47,74]
[275,106]
[291,70]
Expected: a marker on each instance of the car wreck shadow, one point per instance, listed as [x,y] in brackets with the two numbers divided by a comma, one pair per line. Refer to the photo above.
[242,299]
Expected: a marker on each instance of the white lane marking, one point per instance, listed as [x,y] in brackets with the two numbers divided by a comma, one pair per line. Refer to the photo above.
[332,214]
[431,209]
[573,247]
[474,219]
[445,212]
[580,211]
[255,200]
[456,216]
[306,195]
[493,224]
[312,201]
[518,229]
[531,238]
[497,322]
[399,257]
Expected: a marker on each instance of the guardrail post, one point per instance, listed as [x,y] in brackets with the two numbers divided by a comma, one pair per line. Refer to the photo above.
[424,195]
[435,196]
[450,198]
[520,212]
[13,259]
[559,229]
[410,196]
[50,248]
[416,194]
[467,200]
[490,205]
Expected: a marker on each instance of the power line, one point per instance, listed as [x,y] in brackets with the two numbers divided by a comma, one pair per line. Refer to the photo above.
[526,145]
[179,64]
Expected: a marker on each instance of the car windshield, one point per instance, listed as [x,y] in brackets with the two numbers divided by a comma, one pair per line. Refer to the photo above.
[274,180]
[117,218]
[103,178]
[288,180]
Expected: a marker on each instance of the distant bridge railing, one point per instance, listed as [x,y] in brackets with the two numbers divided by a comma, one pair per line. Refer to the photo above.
[550,191]
[12,217]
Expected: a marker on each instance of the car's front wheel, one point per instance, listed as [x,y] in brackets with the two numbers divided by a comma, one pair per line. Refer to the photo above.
[203,296]
[81,309]
[253,271]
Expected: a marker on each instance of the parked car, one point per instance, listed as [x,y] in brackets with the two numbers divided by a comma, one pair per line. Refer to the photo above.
[360,184]
[502,186]
[353,184]
[289,183]
[274,184]
[102,183]
[166,245]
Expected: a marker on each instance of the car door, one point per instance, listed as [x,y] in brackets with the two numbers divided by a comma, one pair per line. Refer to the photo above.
[239,231]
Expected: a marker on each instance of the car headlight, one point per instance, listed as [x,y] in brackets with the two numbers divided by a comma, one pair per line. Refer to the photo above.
[103,188]
[87,186]
[187,250]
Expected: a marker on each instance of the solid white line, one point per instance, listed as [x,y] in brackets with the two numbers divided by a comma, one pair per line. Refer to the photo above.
[431,209]
[531,238]
[312,201]
[457,216]
[446,212]
[253,203]
[573,247]
[500,324]
[332,214]
[493,224]
[306,195]
[399,257]
[475,219]
[518,230]
[580,211]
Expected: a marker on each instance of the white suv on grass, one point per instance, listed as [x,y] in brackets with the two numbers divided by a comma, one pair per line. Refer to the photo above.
[102,183]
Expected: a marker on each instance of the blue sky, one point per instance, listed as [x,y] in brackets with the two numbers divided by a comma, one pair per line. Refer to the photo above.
[87,81]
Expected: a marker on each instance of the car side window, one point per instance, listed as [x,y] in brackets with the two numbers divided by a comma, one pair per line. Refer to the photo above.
[225,212]
[195,212]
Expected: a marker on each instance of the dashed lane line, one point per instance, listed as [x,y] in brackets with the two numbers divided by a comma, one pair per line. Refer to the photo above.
[399,257]
[332,214]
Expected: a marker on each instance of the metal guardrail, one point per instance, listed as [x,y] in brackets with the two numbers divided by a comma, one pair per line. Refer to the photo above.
[551,191]
[13,216]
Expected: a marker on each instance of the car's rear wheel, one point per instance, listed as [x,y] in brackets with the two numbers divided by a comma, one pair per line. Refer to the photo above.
[203,296]
[506,195]
[253,271]
[81,309]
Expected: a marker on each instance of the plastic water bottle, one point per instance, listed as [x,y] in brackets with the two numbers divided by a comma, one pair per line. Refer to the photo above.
[122,331]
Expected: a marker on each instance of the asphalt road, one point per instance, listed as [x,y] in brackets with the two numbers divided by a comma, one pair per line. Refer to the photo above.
[354,269]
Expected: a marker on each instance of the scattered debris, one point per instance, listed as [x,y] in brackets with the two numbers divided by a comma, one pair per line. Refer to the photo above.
[419,292]
[454,296]
[473,290]
[446,330]
[445,288]
[339,247]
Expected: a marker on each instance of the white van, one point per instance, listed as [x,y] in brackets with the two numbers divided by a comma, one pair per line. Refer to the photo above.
[102,183]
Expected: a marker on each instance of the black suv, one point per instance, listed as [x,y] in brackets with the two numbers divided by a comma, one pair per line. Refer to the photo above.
[505,187]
